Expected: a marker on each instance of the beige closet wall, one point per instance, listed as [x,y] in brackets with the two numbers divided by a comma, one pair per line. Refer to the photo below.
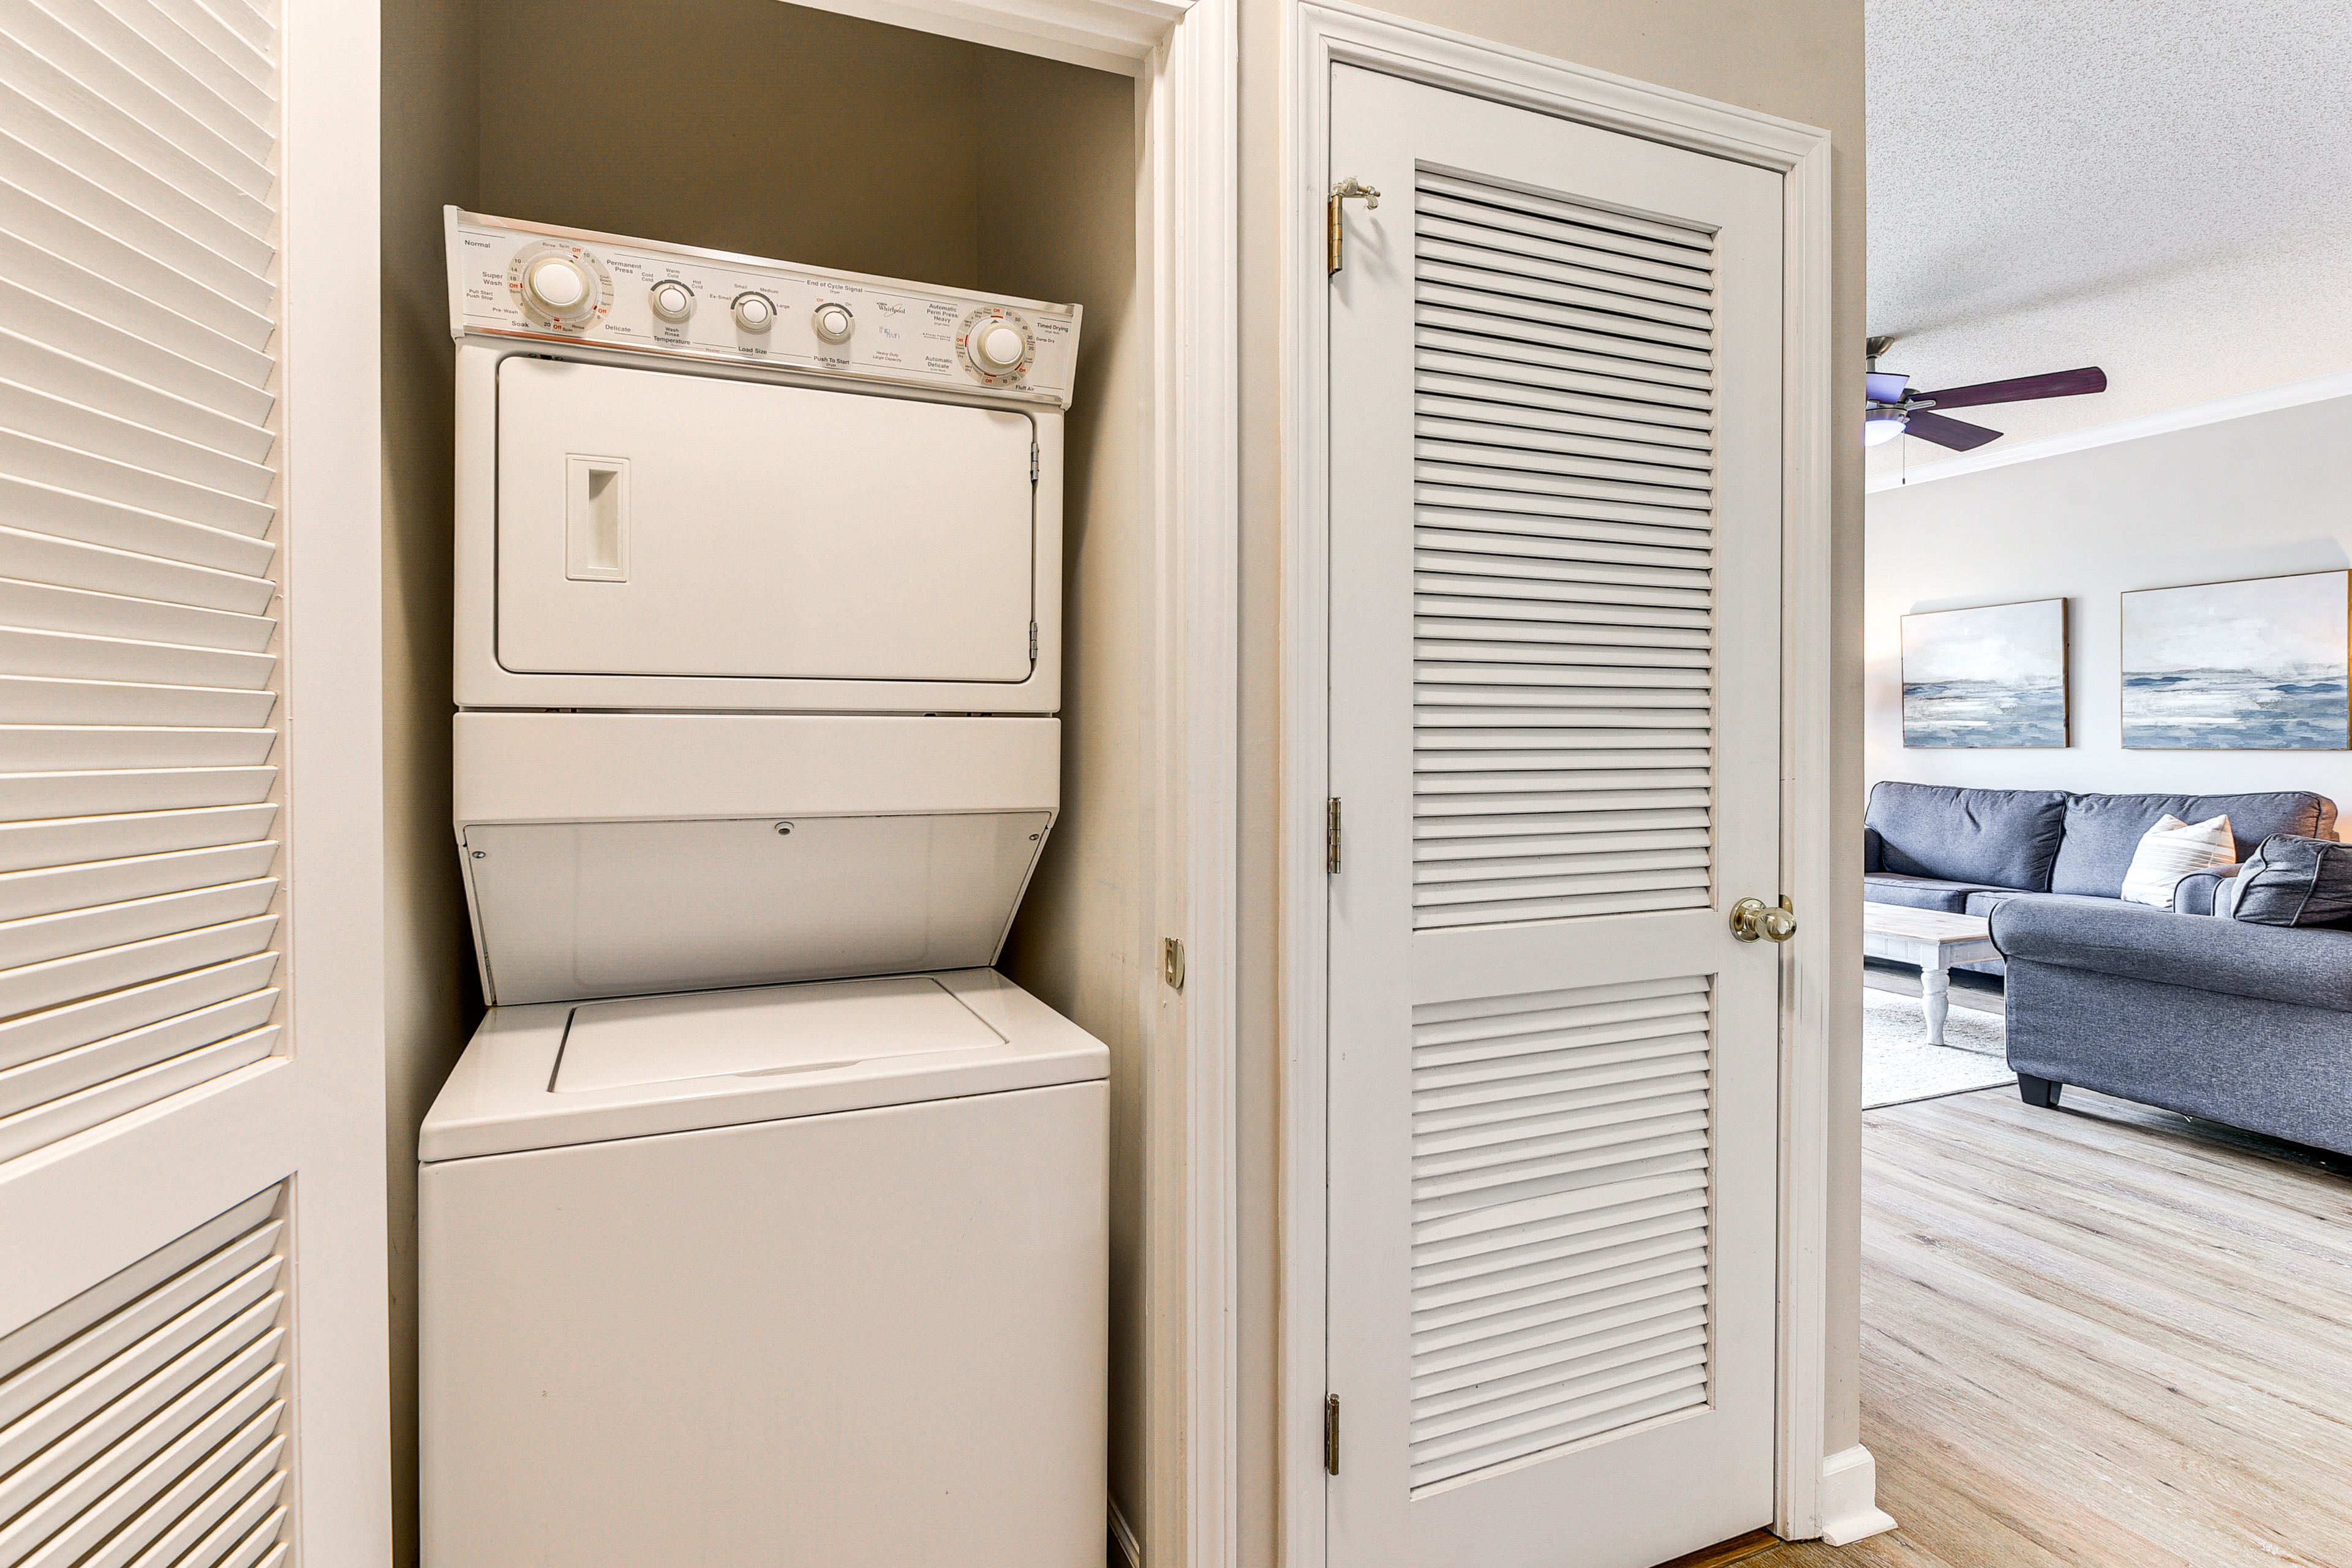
[1057,221]
[1802,60]
[430,154]
[743,125]
[755,126]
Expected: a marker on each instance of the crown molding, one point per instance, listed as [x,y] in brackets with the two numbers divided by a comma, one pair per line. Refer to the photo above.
[1107,35]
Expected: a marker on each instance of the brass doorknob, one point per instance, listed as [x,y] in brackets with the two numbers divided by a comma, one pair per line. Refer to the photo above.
[1753,919]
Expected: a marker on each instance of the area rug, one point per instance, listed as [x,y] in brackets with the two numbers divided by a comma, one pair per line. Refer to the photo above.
[1898,1064]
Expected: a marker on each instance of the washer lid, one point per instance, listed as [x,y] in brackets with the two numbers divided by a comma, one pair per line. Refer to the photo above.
[763,1032]
[556,1074]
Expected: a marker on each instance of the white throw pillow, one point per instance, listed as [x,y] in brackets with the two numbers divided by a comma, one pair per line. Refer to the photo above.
[2170,851]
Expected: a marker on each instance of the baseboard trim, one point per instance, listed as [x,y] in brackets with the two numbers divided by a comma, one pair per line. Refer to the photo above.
[1849,1510]
[1122,1535]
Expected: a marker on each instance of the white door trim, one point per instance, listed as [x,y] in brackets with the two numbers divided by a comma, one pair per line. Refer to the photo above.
[1317,34]
[332,526]
[1183,54]
[1193,113]
[1120,36]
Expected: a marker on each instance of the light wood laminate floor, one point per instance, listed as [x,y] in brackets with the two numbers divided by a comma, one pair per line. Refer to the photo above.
[2103,1337]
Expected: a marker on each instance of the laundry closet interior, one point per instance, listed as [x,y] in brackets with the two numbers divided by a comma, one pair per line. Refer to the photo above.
[773,130]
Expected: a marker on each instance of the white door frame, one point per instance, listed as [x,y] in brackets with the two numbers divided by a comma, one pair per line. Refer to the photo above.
[1316,35]
[1184,55]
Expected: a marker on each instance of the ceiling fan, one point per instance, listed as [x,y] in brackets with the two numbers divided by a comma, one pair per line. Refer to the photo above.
[1894,409]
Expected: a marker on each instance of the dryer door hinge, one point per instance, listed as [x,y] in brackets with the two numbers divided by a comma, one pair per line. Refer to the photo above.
[1331,1435]
[1032,462]
[1331,835]
[1033,642]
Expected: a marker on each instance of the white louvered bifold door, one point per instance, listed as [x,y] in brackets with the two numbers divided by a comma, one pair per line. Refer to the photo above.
[156,1188]
[1555,491]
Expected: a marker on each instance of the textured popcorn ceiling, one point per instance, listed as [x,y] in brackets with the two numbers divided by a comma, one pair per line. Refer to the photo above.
[2160,187]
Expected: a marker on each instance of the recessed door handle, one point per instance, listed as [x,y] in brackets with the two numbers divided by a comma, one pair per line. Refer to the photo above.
[596,519]
[1753,919]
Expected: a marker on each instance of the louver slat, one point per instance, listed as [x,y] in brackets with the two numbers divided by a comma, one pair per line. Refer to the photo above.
[225,182]
[1563,1144]
[117,267]
[41,134]
[140,1422]
[138,653]
[124,573]
[204,62]
[1564,585]
[63,844]
[79,482]
[93,297]
[28,174]
[60,608]
[104,52]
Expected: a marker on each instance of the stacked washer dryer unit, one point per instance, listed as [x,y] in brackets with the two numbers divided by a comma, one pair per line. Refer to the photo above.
[761,1222]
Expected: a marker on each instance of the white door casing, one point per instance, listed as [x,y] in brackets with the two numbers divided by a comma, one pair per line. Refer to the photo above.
[1554,387]
[192,1301]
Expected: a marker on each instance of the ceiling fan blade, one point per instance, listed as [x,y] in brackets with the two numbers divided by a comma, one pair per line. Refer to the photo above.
[2023,388]
[1957,434]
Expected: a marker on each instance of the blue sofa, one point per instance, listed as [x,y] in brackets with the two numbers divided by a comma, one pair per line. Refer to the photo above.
[1969,851]
[2248,1025]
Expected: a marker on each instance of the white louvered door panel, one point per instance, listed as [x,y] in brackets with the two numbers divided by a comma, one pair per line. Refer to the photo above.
[1559,1219]
[143,1422]
[1554,600]
[157,411]
[1563,588]
[138,871]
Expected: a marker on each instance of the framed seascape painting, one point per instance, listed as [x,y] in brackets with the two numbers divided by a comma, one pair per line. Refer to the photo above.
[1995,676]
[2261,664]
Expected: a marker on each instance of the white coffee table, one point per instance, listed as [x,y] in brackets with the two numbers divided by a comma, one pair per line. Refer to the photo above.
[1935,941]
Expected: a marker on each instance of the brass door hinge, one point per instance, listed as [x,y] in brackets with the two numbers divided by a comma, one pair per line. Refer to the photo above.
[1331,1435]
[1350,187]
[1331,835]
[1172,962]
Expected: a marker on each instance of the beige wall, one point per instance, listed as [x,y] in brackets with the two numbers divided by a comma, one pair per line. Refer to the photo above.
[742,125]
[1057,221]
[755,126]
[431,999]
[2255,497]
[1798,58]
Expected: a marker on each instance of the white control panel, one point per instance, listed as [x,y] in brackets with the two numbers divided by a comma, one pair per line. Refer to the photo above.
[514,280]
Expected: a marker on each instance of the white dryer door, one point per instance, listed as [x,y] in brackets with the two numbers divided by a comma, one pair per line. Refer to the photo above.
[657,523]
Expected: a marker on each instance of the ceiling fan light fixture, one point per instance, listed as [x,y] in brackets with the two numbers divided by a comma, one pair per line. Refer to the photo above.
[1880,426]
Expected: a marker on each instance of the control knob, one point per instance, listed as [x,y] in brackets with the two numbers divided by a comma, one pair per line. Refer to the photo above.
[834,323]
[556,286]
[997,347]
[755,312]
[563,287]
[672,302]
